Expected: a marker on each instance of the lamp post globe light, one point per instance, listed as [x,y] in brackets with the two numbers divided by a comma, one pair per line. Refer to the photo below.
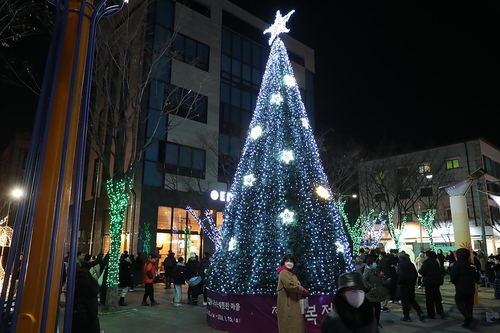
[14,195]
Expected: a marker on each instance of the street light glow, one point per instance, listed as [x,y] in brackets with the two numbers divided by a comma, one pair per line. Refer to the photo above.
[17,193]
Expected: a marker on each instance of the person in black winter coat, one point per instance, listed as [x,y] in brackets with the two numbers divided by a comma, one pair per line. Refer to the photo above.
[352,312]
[168,266]
[464,275]
[490,272]
[85,308]
[124,277]
[179,279]
[192,270]
[392,263]
[496,269]
[441,259]
[433,279]
[407,278]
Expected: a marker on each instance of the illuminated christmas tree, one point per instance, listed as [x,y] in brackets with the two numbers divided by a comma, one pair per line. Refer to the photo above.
[281,201]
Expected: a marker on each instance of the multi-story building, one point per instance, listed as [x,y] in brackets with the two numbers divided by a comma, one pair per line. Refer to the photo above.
[412,184]
[220,52]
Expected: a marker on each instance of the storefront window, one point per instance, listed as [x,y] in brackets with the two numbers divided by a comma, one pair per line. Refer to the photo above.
[106,243]
[219,219]
[163,240]
[179,222]
[193,225]
[177,231]
[164,218]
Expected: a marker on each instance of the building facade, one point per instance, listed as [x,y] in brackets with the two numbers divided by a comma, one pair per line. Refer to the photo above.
[412,184]
[220,53]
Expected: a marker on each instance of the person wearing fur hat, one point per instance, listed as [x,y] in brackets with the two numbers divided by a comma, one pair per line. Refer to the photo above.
[352,312]
[290,292]
[464,275]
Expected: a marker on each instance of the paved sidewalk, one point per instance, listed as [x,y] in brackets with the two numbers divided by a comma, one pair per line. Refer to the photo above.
[188,318]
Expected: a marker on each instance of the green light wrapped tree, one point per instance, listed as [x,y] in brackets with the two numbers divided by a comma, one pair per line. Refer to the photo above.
[281,201]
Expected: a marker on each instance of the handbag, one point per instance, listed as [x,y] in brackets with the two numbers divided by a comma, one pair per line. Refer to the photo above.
[194,281]
[304,305]
[149,274]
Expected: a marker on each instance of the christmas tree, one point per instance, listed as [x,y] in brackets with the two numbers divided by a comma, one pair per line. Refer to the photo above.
[281,201]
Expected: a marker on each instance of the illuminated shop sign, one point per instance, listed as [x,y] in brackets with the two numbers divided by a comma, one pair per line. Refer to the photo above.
[220,195]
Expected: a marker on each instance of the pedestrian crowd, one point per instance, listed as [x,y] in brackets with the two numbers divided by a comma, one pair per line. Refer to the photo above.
[91,289]
[379,278]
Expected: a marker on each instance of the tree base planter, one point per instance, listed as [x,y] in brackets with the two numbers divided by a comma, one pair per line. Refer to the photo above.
[257,313]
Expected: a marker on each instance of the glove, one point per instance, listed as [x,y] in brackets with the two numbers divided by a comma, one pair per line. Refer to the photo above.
[305,292]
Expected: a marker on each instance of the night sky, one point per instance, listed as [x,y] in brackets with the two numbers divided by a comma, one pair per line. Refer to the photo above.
[416,73]
[419,73]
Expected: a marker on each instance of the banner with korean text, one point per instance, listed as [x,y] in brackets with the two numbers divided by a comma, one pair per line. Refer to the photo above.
[257,313]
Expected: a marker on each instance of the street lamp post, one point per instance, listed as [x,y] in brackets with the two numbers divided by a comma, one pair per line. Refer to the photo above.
[15,194]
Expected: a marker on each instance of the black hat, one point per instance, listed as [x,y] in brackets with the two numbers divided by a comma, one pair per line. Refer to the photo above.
[351,279]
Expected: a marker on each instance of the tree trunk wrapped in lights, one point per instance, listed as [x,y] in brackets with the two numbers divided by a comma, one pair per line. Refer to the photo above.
[427,221]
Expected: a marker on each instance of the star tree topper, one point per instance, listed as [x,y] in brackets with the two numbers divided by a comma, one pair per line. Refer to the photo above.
[278,26]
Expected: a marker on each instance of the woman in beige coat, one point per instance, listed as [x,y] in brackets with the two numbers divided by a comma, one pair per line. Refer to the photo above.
[290,318]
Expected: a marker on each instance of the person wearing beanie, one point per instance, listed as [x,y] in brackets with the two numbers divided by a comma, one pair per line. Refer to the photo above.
[407,278]
[352,312]
[464,275]
[290,292]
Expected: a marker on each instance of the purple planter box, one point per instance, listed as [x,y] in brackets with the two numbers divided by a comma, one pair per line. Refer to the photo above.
[257,313]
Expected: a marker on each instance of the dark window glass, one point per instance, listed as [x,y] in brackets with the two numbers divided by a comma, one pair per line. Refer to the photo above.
[185,161]
[197,7]
[190,50]
[235,96]
[379,197]
[162,151]
[426,192]
[226,64]
[404,194]
[309,81]
[225,93]
[256,61]
[247,51]
[236,68]
[226,42]
[189,104]
[402,172]
[236,47]
[165,13]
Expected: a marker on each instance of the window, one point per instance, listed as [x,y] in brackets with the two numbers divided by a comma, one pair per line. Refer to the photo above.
[452,164]
[409,217]
[379,197]
[197,7]
[493,188]
[491,167]
[405,194]
[424,168]
[402,172]
[426,192]
[190,104]
[191,51]
[184,160]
